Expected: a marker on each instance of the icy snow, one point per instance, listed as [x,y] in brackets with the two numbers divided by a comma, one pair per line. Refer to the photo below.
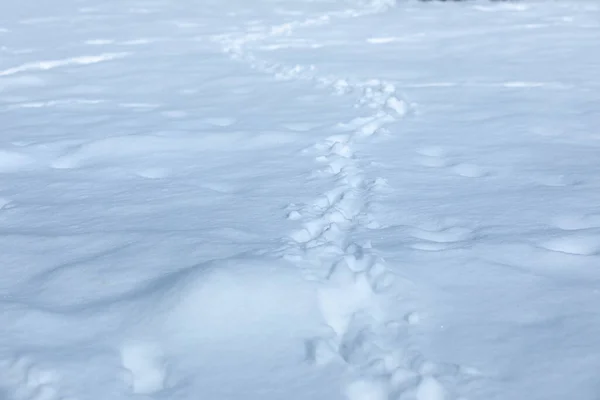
[358,199]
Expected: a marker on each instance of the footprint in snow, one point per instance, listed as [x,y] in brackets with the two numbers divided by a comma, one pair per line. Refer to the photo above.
[407,375]
[344,294]
[320,350]
[430,389]
[317,231]
[294,215]
[25,380]
[413,318]
[146,367]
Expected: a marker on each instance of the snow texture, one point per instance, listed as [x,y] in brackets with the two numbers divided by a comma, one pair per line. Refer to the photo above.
[309,199]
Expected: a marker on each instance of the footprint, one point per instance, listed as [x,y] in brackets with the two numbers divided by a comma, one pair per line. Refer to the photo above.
[375,126]
[27,381]
[380,278]
[380,185]
[341,150]
[430,389]
[358,259]
[294,215]
[335,164]
[146,366]
[344,294]
[312,230]
[341,87]
[413,318]
[351,204]
[400,107]
[403,380]
[320,351]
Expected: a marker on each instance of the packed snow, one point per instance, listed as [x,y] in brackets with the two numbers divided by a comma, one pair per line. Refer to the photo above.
[300,199]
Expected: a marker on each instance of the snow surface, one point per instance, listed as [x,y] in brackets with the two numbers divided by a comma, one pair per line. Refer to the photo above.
[300,199]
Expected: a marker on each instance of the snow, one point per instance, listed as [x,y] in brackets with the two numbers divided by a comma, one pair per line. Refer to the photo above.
[359,199]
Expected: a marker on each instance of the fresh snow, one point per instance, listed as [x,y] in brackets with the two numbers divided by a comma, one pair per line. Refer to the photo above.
[300,199]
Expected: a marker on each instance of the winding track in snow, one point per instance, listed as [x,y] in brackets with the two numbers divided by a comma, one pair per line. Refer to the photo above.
[355,282]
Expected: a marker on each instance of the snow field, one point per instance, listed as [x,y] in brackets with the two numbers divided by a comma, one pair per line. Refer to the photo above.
[304,200]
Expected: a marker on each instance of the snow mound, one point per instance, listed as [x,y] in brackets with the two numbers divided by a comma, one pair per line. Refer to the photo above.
[223,301]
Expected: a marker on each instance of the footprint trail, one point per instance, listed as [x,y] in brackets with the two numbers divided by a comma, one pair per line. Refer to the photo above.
[355,282]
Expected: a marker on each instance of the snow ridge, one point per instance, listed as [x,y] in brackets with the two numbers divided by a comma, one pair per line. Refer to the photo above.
[355,283]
